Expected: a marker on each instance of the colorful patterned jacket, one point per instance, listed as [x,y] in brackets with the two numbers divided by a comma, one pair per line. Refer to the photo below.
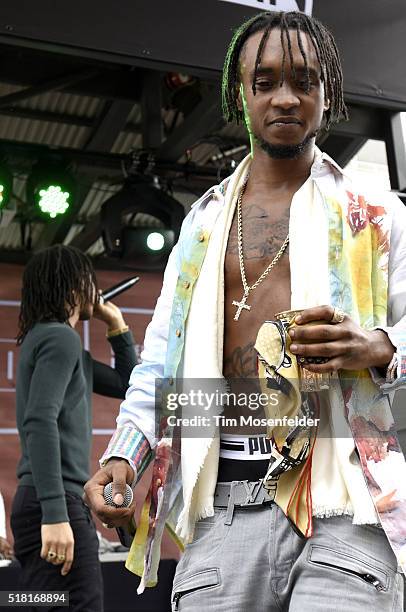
[137,438]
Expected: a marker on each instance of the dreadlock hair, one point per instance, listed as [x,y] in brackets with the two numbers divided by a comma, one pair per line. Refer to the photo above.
[324,45]
[53,282]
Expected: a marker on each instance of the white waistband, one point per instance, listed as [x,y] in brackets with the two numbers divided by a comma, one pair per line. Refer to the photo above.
[245,448]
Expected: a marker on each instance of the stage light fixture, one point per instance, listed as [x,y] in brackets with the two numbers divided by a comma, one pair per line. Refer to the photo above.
[53,200]
[144,248]
[147,249]
[155,241]
[50,189]
[6,184]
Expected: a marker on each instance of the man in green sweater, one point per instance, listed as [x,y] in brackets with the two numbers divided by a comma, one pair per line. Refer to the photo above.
[55,537]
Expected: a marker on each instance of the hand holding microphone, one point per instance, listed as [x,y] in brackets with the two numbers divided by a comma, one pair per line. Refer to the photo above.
[125,535]
[117,473]
[108,498]
[106,311]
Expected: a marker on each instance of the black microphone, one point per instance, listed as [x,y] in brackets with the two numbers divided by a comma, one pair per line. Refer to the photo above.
[112,292]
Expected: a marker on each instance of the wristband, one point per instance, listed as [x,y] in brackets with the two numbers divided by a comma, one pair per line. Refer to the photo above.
[117,332]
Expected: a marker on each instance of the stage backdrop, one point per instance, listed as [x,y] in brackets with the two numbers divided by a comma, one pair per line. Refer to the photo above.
[137,305]
[194,35]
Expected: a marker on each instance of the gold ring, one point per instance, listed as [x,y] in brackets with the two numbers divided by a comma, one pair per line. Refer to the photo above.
[338,316]
[51,554]
[61,557]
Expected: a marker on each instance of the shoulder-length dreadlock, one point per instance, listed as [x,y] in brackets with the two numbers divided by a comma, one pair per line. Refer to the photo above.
[53,279]
[324,45]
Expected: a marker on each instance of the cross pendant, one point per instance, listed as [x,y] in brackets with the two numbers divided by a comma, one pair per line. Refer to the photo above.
[240,306]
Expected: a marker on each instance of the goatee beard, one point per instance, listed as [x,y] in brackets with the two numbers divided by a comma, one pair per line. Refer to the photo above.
[289,151]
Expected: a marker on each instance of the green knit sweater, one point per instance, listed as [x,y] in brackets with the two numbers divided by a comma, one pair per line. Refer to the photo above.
[55,380]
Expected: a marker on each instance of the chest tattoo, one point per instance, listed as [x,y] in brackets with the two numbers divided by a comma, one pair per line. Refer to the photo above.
[242,362]
[262,237]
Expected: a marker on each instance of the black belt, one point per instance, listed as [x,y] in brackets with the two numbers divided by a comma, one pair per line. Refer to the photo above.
[242,494]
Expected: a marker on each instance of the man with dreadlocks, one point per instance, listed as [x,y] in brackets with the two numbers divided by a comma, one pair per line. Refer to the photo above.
[55,537]
[289,517]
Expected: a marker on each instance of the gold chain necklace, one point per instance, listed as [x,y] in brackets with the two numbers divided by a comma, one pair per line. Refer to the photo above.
[242,304]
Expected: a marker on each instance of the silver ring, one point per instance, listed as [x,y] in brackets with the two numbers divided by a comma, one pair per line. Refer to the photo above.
[338,316]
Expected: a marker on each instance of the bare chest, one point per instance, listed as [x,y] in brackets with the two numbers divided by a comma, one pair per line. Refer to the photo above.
[263,234]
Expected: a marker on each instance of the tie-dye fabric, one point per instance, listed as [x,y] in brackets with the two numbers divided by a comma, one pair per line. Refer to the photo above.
[359,240]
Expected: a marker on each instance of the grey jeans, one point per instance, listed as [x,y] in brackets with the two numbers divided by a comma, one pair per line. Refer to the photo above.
[258,563]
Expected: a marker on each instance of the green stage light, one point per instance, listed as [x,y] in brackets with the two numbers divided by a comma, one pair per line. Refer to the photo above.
[50,189]
[53,200]
[2,194]
[6,182]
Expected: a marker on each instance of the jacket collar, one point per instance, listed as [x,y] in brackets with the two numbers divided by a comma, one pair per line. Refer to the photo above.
[323,165]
